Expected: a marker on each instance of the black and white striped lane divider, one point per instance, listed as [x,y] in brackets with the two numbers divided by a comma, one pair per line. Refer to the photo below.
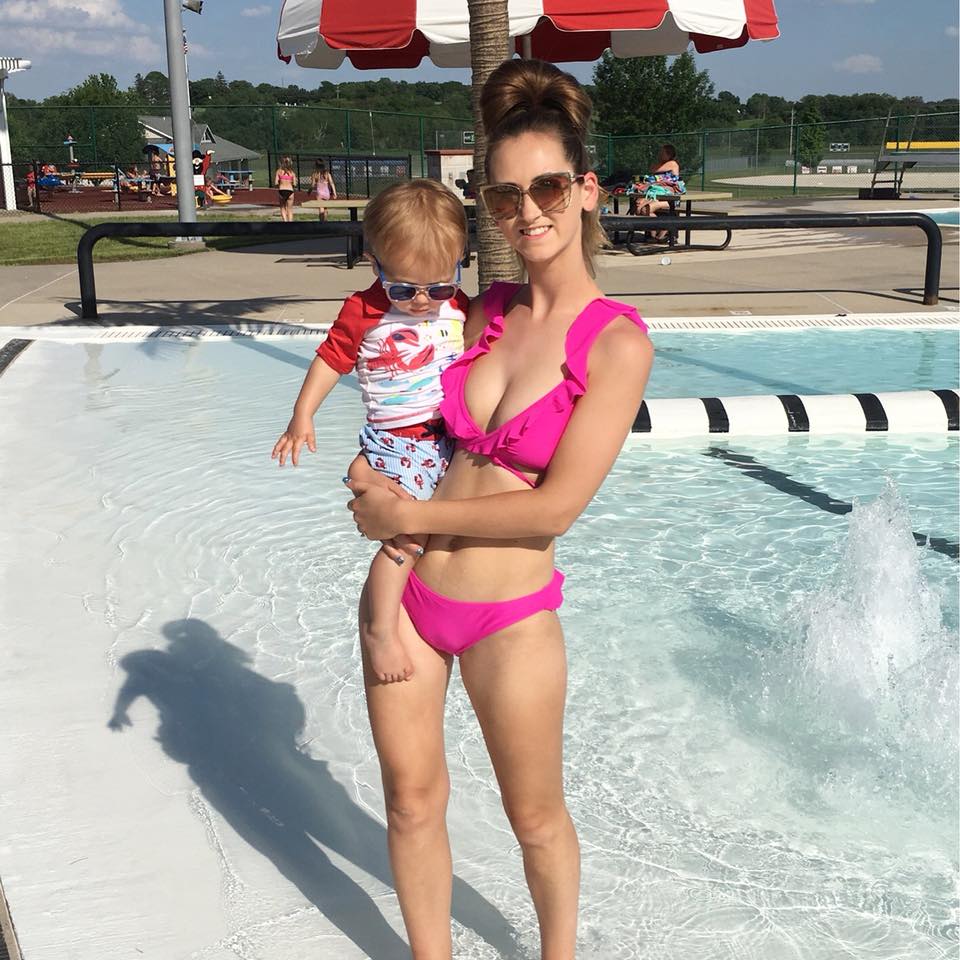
[909,411]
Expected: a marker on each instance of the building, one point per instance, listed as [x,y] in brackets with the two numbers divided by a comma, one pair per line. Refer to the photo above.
[227,155]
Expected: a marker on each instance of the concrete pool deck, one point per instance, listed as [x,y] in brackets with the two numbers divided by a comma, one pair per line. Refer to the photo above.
[769,272]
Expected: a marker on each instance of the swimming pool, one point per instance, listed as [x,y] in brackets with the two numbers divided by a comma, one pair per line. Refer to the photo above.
[804,362]
[949,217]
[762,713]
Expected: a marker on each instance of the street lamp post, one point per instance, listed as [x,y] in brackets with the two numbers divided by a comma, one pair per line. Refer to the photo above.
[180,110]
[8,65]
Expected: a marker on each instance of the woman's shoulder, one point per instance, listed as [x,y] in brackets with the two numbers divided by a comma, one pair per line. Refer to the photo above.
[623,343]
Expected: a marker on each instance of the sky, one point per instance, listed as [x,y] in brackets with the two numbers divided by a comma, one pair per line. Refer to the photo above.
[826,46]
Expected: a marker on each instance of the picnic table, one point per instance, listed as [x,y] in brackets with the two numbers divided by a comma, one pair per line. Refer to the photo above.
[354,205]
[238,180]
[685,202]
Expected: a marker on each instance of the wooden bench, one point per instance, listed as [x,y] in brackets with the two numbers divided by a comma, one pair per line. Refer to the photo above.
[685,202]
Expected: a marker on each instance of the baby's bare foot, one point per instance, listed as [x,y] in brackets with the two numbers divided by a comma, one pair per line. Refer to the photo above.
[388,658]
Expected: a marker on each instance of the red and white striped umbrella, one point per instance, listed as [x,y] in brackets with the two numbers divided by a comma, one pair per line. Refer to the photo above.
[381,34]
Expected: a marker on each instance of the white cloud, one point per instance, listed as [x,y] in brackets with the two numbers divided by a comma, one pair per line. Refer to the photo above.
[76,14]
[138,48]
[264,10]
[952,31]
[98,28]
[860,63]
[197,49]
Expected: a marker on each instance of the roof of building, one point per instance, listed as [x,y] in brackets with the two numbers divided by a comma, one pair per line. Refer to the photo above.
[160,130]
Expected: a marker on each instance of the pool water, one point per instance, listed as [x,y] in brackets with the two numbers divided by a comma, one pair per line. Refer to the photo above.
[946,218]
[804,362]
[761,733]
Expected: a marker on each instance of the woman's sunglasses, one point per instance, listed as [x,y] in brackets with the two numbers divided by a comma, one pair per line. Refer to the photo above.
[403,292]
[550,192]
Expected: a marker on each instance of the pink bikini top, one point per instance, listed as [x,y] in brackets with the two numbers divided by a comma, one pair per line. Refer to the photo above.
[530,437]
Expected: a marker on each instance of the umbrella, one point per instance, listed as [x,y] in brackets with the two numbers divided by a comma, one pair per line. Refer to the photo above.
[380,34]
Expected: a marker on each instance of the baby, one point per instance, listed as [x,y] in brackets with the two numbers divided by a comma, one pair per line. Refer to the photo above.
[399,335]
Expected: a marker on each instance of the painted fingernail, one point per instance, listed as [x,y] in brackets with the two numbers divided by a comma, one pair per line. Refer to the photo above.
[419,551]
[398,561]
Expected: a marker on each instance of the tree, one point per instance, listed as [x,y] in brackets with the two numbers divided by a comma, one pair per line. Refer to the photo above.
[151,90]
[489,47]
[725,110]
[643,97]
[689,94]
[629,94]
[118,133]
[811,138]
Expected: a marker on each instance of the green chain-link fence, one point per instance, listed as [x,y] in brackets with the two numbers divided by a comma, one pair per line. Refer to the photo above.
[766,161]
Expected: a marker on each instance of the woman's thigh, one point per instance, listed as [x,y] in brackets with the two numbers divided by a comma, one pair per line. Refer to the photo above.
[517,683]
[406,717]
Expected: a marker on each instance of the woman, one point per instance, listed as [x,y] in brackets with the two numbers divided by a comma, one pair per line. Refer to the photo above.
[540,405]
[323,187]
[285,180]
[663,179]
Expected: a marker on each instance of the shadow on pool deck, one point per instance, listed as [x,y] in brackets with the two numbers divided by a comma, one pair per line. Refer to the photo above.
[237,733]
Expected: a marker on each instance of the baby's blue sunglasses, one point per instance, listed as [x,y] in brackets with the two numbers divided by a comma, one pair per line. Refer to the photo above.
[403,292]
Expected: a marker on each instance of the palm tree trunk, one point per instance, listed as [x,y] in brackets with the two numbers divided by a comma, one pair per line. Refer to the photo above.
[489,47]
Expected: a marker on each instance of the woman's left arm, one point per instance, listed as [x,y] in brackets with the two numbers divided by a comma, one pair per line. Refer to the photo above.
[619,367]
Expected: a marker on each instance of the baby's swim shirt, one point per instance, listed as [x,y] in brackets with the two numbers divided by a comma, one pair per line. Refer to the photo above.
[398,358]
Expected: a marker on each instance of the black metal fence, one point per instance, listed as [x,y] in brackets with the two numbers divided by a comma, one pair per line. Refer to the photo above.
[353,176]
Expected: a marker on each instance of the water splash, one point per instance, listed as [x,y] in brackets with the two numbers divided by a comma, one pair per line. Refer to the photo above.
[877,663]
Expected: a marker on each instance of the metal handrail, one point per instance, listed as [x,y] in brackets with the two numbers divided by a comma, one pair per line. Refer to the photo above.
[797,221]
[246,228]
[216,228]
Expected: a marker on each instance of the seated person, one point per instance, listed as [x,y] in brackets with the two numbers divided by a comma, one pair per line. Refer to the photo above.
[663,180]
[213,191]
[468,186]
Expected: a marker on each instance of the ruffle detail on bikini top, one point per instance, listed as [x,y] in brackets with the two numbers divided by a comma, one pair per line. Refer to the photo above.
[530,437]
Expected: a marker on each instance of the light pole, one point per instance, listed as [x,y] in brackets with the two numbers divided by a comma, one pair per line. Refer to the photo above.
[8,65]
[180,107]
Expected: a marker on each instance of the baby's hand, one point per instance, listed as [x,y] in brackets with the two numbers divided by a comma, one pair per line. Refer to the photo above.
[299,432]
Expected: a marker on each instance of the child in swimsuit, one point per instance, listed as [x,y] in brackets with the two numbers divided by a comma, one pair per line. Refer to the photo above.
[399,335]
[285,181]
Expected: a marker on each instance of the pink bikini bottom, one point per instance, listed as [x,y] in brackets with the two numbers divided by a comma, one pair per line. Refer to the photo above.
[451,626]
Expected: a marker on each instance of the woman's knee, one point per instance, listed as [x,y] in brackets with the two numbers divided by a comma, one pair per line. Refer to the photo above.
[412,807]
[538,825]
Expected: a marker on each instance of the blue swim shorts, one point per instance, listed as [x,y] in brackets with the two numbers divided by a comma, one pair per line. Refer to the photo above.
[417,463]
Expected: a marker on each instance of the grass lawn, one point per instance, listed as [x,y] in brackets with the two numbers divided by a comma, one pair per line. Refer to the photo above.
[54,240]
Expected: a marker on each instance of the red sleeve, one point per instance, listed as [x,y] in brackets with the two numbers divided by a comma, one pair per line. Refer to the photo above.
[339,351]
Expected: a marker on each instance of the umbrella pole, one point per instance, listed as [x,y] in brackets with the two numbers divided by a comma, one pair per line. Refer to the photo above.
[527,47]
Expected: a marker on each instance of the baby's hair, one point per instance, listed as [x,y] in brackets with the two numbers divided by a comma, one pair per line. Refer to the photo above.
[532,96]
[420,219]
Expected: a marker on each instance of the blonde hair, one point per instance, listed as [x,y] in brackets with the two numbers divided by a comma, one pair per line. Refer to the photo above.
[420,218]
[532,96]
